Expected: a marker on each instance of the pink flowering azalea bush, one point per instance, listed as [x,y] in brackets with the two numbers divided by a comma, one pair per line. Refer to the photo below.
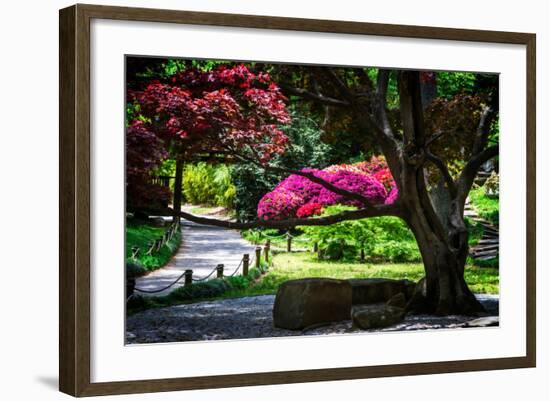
[309,209]
[297,196]
[392,196]
[279,205]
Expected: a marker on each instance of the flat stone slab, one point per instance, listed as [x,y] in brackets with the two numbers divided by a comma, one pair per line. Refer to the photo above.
[311,301]
[376,316]
[376,290]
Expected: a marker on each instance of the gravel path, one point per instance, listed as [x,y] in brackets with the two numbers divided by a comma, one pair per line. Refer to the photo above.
[251,317]
[202,248]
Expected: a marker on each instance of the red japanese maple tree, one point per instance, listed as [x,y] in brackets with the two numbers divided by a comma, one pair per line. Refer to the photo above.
[228,109]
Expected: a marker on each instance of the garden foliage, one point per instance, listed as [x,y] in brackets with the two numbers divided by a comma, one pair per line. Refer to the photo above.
[381,238]
[297,196]
[305,148]
[206,184]
[197,110]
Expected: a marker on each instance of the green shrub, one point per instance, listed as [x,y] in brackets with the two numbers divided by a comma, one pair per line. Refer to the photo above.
[254,236]
[382,238]
[206,184]
[251,183]
[202,290]
[396,251]
[205,289]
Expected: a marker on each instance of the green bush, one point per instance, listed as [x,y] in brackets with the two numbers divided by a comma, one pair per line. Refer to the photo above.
[206,184]
[203,290]
[254,235]
[382,239]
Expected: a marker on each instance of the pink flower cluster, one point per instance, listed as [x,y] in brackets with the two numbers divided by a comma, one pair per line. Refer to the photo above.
[309,209]
[297,196]
[392,196]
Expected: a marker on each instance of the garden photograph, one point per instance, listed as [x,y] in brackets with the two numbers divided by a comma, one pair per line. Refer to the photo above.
[273,200]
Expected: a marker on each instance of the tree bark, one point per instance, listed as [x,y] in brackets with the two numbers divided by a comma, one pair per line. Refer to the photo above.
[446,291]
[178,186]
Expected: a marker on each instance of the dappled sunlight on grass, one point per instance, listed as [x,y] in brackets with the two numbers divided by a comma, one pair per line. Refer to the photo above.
[290,266]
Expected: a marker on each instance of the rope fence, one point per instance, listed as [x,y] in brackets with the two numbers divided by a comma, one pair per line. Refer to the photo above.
[290,240]
[156,245]
[245,263]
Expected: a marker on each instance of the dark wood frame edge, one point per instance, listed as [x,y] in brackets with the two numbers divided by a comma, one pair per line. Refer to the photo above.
[74,199]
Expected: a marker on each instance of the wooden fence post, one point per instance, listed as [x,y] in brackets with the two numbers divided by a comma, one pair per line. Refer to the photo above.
[288,242]
[219,270]
[266,250]
[188,278]
[315,247]
[258,256]
[246,261]
[130,286]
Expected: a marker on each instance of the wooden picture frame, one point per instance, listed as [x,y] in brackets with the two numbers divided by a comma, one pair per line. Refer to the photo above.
[74,204]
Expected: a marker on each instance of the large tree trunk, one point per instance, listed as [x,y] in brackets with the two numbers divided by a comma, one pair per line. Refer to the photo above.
[178,184]
[445,290]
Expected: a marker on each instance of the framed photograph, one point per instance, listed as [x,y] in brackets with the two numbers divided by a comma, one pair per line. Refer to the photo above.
[250,200]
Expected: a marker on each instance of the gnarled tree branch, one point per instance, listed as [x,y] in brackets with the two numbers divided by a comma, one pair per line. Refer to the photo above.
[310,176]
[483,129]
[316,97]
[468,174]
[451,185]
[374,211]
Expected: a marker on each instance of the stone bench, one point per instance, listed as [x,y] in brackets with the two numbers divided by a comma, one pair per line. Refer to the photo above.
[313,301]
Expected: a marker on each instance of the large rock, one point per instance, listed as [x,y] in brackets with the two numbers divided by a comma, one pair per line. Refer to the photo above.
[376,316]
[376,290]
[398,301]
[311,301]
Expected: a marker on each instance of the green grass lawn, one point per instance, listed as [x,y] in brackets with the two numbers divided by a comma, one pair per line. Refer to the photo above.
[277,238]
[485,206]
[289,266]
[138,234]
[304,264]
[475,230]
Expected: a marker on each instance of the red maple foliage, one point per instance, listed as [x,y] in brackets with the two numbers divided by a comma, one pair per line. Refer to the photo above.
[229,109]
[144,153]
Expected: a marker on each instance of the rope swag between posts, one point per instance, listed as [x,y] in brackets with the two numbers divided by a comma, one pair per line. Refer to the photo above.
[187,275]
